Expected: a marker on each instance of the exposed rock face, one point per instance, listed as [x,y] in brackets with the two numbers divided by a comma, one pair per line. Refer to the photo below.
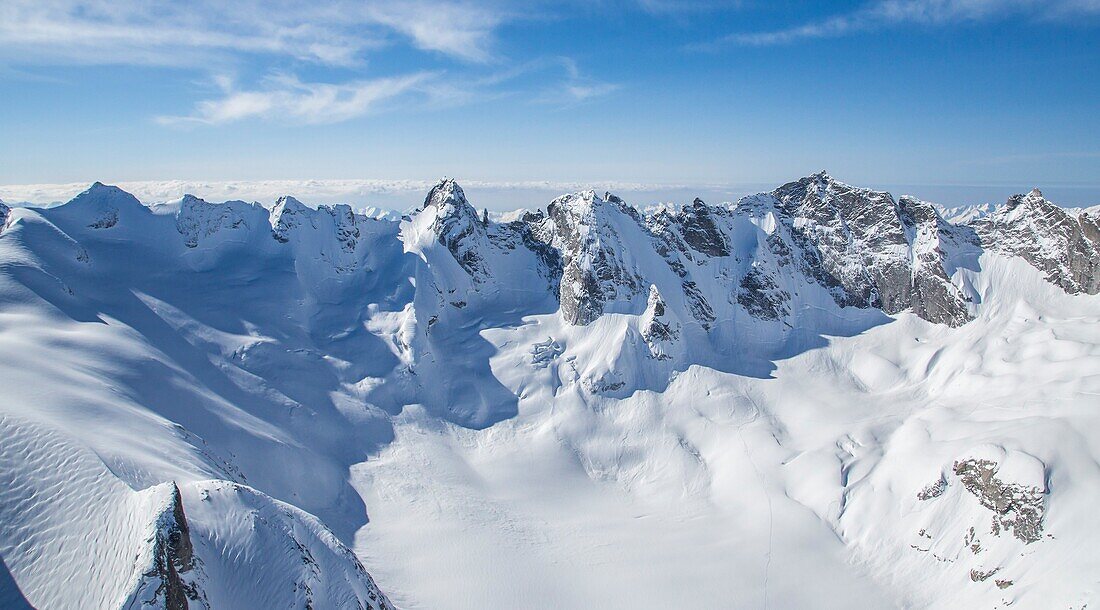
[1016,507]
[701,232]
[839,229]
[1065,248]
[932,241]
[457,226]
[5,211]
[527,229]
[173,557]
[659,331]
[585,229]
[933,490]
[761,297]
[862,246]
[1090,226]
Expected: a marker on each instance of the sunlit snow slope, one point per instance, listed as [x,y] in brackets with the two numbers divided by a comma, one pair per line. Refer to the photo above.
[821,396]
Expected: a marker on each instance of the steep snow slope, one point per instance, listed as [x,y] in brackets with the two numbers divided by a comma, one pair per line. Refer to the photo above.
[821,396]
[113,390]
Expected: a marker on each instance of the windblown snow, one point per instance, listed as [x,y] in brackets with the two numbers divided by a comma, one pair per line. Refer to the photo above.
[821,396]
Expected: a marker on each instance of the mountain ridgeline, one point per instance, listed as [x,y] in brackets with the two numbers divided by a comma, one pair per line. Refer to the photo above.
[204,386]
[863,248]
[762,258]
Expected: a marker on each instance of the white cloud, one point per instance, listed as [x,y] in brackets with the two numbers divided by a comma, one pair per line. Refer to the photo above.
[286,98]
[196,32]
[885,13]
[265,36]
[462,30]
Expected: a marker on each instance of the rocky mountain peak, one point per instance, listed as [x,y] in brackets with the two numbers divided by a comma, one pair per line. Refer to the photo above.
[1048,237]
[867,249]
[915,211]
[585,209]
[457,226]
[700,230]
[447,193]
[591,233]
[1033,200]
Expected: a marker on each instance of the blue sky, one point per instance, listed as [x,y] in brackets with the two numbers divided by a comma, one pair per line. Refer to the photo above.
[915,92]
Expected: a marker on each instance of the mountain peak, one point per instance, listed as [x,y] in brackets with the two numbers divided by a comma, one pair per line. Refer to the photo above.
[1033,199]
[99,192]
[287,202]
[98,189]
[585,204]
[447,191]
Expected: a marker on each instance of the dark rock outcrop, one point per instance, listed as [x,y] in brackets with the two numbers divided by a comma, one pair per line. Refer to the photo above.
[701,232]
[1016,507]
[173,557]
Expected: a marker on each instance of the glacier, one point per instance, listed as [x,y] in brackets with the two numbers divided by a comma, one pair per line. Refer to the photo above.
[818,396]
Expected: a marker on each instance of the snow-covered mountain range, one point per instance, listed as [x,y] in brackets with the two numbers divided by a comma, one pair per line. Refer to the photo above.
[821,396]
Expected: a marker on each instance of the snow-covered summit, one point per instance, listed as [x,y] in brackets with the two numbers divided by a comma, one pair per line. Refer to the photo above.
[102,206]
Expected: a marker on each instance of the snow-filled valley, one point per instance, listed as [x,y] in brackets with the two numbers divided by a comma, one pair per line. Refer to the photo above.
[821,396]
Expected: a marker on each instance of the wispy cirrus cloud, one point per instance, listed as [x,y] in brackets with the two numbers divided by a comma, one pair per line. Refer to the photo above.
[462,30]
[288,99]
[163,32]
[325,40]
[892,13]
